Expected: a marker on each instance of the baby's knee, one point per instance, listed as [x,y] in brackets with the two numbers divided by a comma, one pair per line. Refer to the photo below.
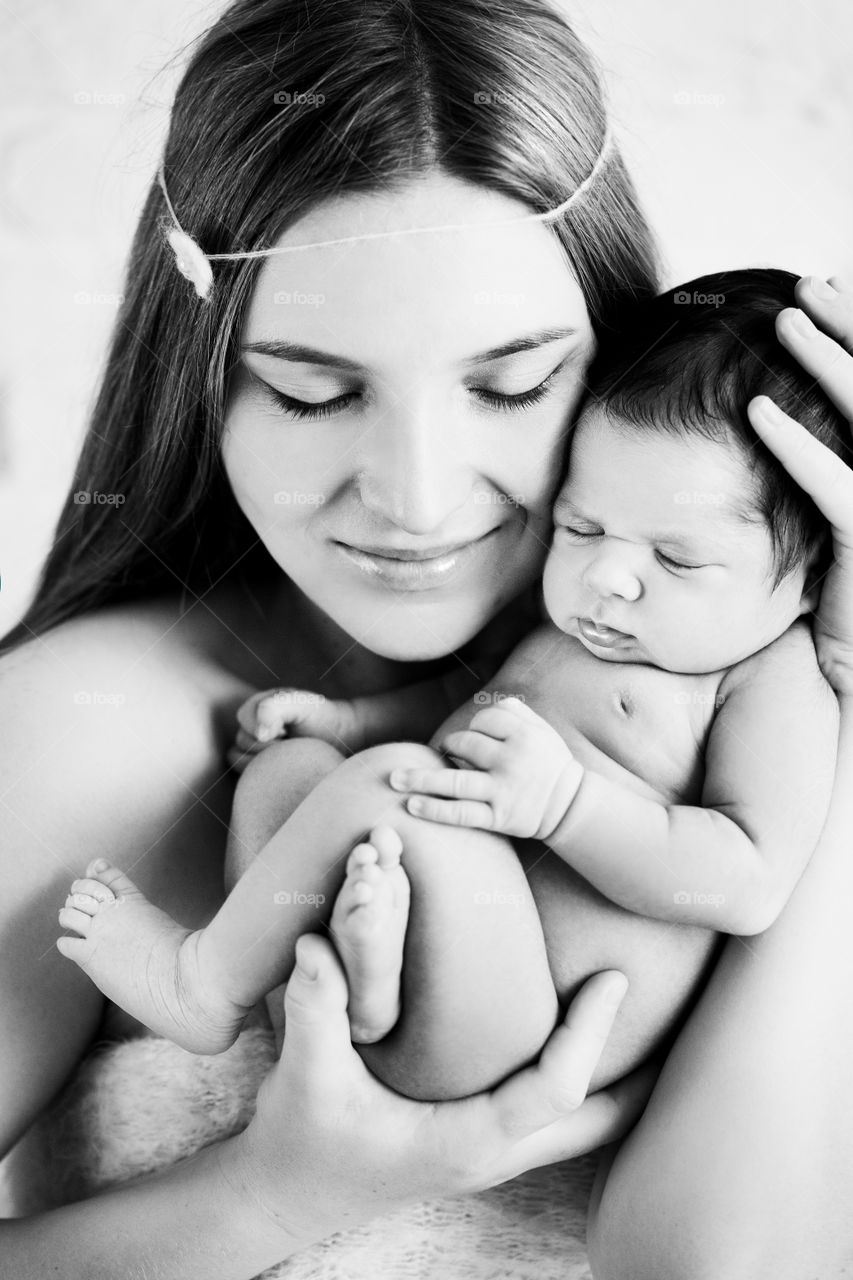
[362,781]
[295,762]
[272,785]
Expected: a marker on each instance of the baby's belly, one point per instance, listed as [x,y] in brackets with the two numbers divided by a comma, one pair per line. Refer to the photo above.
[634,723]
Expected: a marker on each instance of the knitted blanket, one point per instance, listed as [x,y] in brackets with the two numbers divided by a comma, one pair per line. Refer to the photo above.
[139,1105]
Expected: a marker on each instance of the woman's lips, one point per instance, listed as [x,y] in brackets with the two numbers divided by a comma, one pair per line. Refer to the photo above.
[604,637]
[422,569]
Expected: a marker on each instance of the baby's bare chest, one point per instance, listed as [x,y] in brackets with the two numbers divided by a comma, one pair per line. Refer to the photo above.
[650,722]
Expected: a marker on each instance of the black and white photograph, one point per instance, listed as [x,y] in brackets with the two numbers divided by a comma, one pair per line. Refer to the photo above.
[426,640]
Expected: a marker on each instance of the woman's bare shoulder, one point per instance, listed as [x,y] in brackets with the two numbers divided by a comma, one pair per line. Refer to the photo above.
[151,665]
[114,730]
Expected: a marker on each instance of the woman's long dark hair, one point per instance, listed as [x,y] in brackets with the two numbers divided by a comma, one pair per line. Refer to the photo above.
[497,92]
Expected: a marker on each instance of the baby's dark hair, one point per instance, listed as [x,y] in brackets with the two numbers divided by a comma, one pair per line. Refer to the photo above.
[690,360]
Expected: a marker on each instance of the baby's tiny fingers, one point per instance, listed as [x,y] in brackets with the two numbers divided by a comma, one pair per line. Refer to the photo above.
[454,813]
[468,784]
[476,749]
[239,760]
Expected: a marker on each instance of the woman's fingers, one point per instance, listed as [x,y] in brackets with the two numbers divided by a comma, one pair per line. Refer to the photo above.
[820,354]
[827,478]
[604,1117]
[317,1041]
[830,304]
[557,1085]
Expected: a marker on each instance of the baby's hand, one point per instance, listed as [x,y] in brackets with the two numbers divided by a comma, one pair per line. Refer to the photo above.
[519,775]
[290,713]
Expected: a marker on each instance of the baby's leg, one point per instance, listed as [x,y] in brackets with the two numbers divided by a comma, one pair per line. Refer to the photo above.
[666,964]
[147,963]
[478,995]
[474,1009]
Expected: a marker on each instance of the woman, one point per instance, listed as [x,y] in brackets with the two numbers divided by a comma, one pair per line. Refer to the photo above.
[201,586]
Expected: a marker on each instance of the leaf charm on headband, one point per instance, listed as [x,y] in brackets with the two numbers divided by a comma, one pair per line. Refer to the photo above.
[192,262]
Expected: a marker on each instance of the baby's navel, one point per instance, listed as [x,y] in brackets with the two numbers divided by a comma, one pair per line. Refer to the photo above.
[625,702]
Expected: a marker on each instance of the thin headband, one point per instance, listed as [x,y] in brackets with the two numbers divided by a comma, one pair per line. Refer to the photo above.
[194,263]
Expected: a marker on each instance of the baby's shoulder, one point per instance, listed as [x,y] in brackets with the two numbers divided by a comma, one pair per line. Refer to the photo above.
[789,659]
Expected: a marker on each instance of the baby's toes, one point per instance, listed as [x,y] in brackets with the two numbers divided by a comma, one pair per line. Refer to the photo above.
[388,845]
[362,861]
[109,877]
[92,889]
[74,917]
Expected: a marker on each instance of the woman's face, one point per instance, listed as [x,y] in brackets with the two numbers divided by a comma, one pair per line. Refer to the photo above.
[371,436]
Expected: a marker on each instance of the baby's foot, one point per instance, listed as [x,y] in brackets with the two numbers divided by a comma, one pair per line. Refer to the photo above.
[369,926]
[145,962]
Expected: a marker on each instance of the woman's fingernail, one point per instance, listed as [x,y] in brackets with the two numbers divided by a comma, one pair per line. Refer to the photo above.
[615,993]
[769,412]
[803,324]
[415,805]
[306,969]
[822,289]
[100,865]
[398,778]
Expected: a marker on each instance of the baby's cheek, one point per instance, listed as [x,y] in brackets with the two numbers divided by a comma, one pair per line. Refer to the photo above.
[557,587]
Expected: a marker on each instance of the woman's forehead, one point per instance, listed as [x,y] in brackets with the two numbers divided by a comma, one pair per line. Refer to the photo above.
[451,296]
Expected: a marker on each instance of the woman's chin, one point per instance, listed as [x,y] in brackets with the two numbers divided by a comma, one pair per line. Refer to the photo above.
[417,635]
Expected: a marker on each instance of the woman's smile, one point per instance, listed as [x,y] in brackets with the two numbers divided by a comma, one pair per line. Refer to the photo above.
[423,568]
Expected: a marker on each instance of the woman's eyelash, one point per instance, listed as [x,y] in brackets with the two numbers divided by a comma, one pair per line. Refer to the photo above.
[593,533]
[303,409]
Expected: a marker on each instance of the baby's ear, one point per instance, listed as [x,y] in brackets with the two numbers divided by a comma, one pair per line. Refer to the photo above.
[815,574]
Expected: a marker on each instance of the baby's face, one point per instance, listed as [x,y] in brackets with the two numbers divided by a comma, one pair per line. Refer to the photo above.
[658,554]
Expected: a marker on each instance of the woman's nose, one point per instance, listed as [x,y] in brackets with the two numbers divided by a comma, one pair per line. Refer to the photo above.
[412,472]
[609,573]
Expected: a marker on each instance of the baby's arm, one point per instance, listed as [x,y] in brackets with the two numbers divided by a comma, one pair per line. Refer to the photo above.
[729,865]
[411,712]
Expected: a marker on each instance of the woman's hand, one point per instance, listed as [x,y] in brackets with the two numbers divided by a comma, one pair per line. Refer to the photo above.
[825,352]
[331,1147]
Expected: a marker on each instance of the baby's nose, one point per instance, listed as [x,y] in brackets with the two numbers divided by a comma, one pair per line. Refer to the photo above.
[609,575]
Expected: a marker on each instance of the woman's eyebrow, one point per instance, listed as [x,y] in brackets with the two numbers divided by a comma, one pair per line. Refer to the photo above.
[296,352]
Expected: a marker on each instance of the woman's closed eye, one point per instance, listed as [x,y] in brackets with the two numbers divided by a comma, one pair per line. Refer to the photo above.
[499,400]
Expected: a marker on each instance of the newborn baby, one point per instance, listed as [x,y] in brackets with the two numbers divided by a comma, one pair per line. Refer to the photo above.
[667,732]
